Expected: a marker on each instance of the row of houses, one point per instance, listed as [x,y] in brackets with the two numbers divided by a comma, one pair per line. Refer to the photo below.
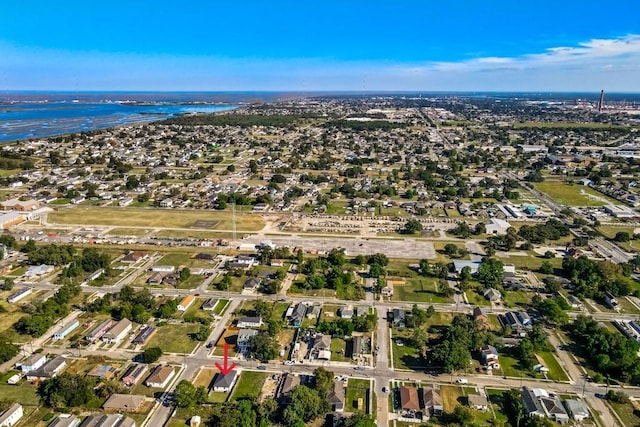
[110,331]
[95,420]
[539,403]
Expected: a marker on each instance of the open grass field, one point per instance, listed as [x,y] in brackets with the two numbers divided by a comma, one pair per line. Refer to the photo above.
[194,234]
[174,338]
[626,413]
[573,195]
[356,389]
[205,376]
[150,218]
[249,385]
[129,231]
[405,356]
[23,392]
[339,350]
[424,289]
[450,395]
[555,370]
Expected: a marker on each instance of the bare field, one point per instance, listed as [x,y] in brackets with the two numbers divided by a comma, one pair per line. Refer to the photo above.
[151,218]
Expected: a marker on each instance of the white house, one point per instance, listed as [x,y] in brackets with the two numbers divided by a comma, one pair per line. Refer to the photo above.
[186,303]
[250,322]
[17,296]
[33,363]
[160,377]
[118,332]
[11,416]
[224,383]
[65,330]
[163,269]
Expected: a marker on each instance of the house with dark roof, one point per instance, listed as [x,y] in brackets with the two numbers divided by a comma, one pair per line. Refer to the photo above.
[480,316]
[145,335]
[49,370]
[298,314]
[65,420]
[554,409]
[224,383]
[399,317]
[478,402]
[290,381]
[336,396]
[321,348]
[102,371]
[108,420]
[492,295]
[210,304]
[432,400]
[531,404]
[251,283]
[134,374]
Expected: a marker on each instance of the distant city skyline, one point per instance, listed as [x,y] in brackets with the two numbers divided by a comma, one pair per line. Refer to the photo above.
[294,46]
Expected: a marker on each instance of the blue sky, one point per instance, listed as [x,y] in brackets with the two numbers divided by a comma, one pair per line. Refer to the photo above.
[369,45]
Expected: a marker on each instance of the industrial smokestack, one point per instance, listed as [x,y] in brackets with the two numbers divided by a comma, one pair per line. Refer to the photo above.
[601,102]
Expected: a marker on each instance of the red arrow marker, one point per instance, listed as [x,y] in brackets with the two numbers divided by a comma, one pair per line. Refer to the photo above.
[224,370]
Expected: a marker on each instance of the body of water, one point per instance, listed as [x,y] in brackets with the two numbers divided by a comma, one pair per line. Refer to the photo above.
[25,115]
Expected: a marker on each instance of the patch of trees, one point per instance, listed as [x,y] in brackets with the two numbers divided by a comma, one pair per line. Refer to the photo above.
[328,272]
[610,352]
[368,125]
[11,160]
[308,403]
[127,304]
[151,354]
[464,231]
[539,233]
[44,314]
[8,350]
[553,310]
[67,391]
[462,337]
[412,226]
[593,278]
[52,255]
[490,272]
[357,420]
[246,413]
[513,408]
[240,120]
[188,396]
[263,346]
[534,342]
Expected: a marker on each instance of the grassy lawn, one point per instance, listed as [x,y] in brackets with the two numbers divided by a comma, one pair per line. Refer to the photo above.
[626,413]
[174,338]
[495,398]
[204,378]
[475,298]
[220,307]
[555,370]
[339,350]
[279,309]
[129,231]
[572,195]
[217,397]
[249,385]
[22,392]
[424,289]
[192,282]
[134,217]
[533,261]
[514,298]
[357,389]
[450,395]
[405,356]
[194,234]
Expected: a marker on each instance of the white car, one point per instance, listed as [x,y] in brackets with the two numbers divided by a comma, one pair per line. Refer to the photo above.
[289,362]
[462,381]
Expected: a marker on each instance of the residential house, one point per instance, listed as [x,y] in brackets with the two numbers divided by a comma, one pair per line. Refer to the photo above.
[346,312]
[49,370]
[100,330]
[489,356]
[106,372]
[577,409]
[524,319]
[11,416]
[432,400]
[124,403]
[478,402]
[492,295]
[117,332]
[313,311]
[277,263]
[38,270]
[481,317]
[108,420]
[224,383]
[409,399]
[399,317]
[145,335]
[531,404]
[134,374]
[18,295]
[250,322]
[186,302]
[156,278]
[65,330]
[160,376]
[299,311]
[133,256]
[321,348]
[242,342]
[205,256]
[209,304]
[554,409]
[336,396]
[33,363]
[574,301]
[251,284]
[65,420]
[290,381]
[611,301]
[163,268]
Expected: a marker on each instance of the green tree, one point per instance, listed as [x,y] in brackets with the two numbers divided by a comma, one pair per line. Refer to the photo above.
[8,350]
[263,347]
[490,272]
[323,380]
[7,284]
[151,354]
[185,273]
[67,391]
[185,394]
[546,267]
[412,226]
